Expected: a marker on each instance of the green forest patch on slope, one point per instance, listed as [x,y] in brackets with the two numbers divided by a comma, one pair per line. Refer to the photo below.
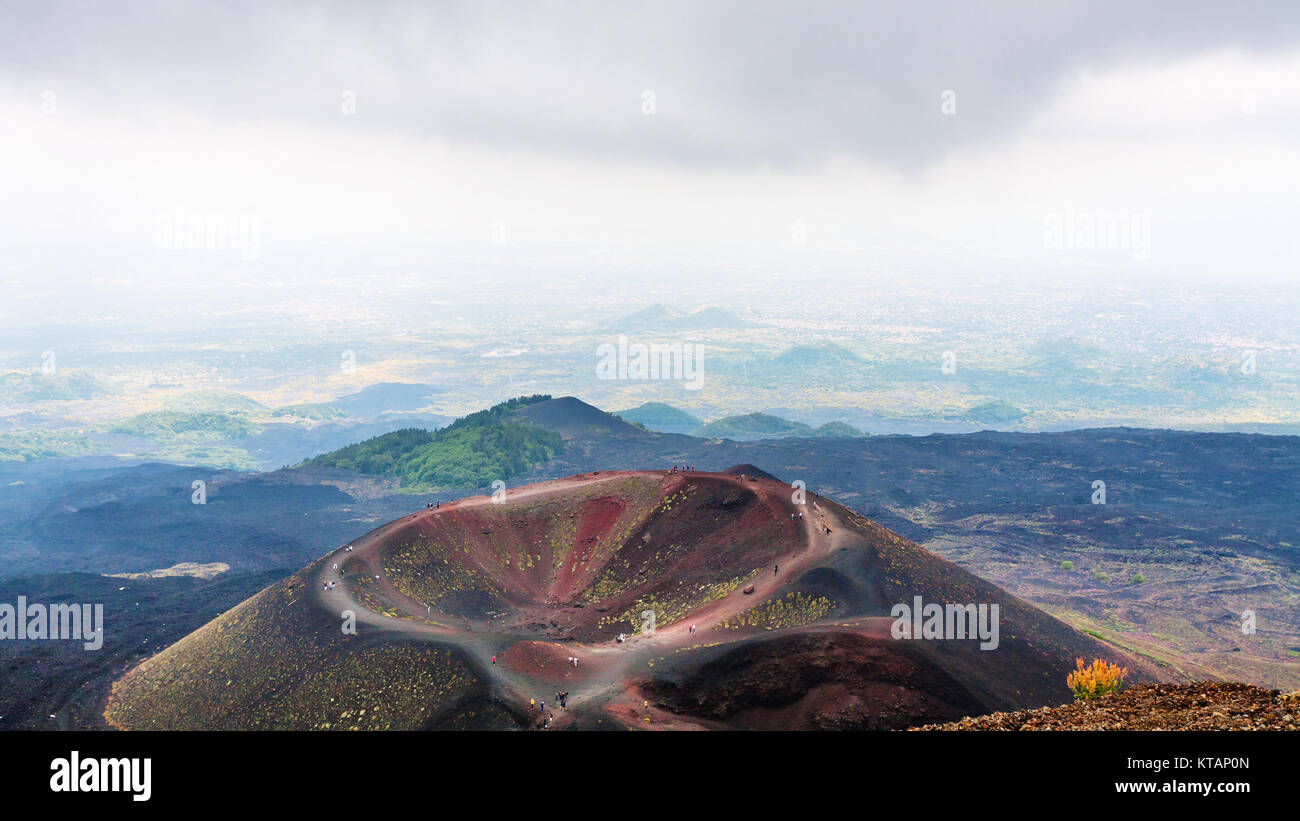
[473,451]
[165,425]
[30,444]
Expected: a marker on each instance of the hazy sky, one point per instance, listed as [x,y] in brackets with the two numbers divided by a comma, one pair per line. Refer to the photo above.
[171,139]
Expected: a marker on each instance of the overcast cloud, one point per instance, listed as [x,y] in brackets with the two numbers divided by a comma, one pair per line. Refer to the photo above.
[735,82]
[701,131]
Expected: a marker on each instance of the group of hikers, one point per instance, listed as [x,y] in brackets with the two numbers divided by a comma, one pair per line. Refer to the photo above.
[433,505]
[330,584]
[561,696]
[682,468]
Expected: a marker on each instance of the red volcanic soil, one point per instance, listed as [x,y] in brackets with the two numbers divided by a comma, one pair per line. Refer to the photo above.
[568,567]
[547,662]
[595,522]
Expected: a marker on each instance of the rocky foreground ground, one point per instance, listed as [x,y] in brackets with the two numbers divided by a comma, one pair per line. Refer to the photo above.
[1201,706]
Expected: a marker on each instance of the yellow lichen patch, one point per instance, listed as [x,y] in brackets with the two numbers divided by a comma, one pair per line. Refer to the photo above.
[791,610]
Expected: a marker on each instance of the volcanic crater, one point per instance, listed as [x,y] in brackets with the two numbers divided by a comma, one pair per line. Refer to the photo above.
[653,599]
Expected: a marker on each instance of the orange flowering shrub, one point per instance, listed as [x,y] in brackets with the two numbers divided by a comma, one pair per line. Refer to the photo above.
[1097,679]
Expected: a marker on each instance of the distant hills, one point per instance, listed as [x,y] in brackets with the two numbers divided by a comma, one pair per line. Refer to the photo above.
[369,402]
[829,355]
[765,426]
[32,444]
[312,411]
[18,387]
[993,413]
[373,400]
[660,317]
[214,401]
[665,418]
[169,424]
[661,417]
[800,367]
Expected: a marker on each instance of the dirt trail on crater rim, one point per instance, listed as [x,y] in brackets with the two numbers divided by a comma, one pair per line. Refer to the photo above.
[790,603]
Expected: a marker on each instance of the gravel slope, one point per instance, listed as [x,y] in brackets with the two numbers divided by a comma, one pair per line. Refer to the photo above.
[1200,706]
